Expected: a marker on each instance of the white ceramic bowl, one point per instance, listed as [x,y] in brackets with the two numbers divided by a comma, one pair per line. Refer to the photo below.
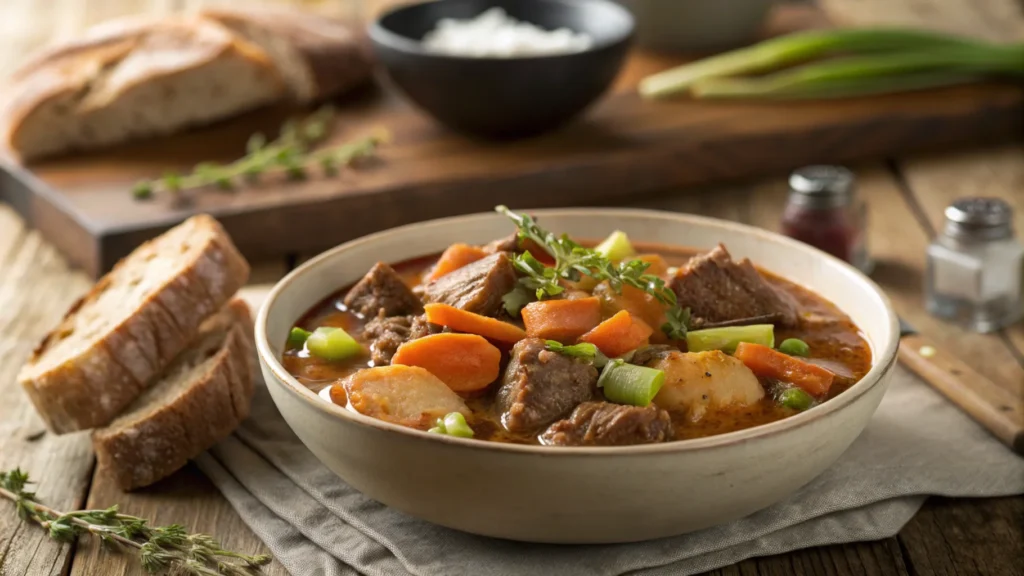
[578,495]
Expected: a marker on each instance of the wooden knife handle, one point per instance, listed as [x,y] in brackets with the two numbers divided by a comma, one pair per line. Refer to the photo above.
[991,406]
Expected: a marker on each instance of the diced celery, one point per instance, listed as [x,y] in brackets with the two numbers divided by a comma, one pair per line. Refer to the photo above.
[616,247]
[332,344]
[726,339]
[629,384]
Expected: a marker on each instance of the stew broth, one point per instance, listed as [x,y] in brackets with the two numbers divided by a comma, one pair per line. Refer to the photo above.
[835,343]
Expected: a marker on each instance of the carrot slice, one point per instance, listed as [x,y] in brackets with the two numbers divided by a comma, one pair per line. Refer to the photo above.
[619,334]
[561,320]
[463,321]
[465,362]
[635,301]
[454,257]
[768,363]
[658,264]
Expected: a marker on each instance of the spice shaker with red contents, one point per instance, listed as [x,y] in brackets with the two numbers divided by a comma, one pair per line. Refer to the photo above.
[823,210]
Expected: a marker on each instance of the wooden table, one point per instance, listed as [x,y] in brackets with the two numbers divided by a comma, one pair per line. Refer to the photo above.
[905,196]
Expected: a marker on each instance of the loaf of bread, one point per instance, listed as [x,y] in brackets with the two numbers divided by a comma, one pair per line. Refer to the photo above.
[138,318]
[135,78]
[318,57]
[202,396]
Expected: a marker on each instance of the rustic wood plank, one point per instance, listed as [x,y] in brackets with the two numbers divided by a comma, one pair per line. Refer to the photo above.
[977,537]
[990,19]
[268,272]
[37,287]
[186,498]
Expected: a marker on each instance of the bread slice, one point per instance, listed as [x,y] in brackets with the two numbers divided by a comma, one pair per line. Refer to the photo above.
[135,80]
[202,397]
[319,57]
[136,319]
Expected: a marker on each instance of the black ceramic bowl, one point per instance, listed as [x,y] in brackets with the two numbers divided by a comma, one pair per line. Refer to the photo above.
[504,97]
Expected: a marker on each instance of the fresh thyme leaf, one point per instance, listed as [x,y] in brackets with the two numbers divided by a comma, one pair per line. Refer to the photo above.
[161,549]
[290,155]
[573,261]
[678,322]
[584,350]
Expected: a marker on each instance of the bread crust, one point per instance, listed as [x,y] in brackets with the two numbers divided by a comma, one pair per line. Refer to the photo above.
[68,97]
[336,56]
[214,403]
[96,382]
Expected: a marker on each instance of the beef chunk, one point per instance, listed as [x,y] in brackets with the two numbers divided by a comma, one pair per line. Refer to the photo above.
[476,287]
[382,289]
[718,289]
[607,424]
[541,386]
[386,334]
[509,243]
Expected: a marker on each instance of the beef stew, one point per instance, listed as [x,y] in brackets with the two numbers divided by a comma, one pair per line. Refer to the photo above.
[541,340]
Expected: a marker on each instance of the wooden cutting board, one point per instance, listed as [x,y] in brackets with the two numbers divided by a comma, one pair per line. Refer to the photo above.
[623,147]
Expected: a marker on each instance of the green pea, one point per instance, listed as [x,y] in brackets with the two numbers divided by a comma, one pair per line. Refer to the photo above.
[455,425]
[795,347]
[796,399]
[297,337]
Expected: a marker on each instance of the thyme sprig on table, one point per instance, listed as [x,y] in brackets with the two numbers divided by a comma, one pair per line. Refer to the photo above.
[573,262]
[161,549]
[291,155]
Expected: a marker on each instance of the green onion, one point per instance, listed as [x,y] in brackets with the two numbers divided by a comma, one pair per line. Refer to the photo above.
[795,347]
[453,424]
[728,338]
[332,344]
[629,384]
[297,337]
[871,74]
[798,48]
[616,247]
[796,399]
[584,350]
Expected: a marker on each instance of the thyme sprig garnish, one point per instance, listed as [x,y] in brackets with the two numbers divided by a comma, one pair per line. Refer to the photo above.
[584,350]
[161,549]
[573,262]
[290,155]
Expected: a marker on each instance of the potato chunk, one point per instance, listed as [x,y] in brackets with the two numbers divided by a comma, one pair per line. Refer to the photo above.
[698,382]
[406,395]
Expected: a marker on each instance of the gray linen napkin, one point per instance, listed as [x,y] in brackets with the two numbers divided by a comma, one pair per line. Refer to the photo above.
[917,444]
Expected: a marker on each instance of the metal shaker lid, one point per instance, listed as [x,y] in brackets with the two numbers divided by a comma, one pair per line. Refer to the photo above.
[979,218]
[821,185]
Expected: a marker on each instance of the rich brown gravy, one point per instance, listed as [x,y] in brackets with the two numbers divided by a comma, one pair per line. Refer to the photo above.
[834,340]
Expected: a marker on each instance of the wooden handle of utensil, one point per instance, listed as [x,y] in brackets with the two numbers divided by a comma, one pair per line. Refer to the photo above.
[991,406]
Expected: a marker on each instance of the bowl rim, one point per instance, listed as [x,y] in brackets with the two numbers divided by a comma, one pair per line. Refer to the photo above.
[882,360]
[379,34]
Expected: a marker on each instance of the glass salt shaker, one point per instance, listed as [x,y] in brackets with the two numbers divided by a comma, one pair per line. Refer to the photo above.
[824,211]
[975,266]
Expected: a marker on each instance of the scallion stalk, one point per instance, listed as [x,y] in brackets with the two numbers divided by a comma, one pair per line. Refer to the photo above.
[330,343]
[728,338]
[806,46]
[874,74]
[630,384]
